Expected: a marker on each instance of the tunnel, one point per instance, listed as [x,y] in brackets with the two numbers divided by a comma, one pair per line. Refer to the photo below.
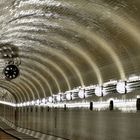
[70,69]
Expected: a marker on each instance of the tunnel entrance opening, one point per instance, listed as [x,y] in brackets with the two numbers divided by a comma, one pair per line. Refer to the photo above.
[138,104]
[111,105]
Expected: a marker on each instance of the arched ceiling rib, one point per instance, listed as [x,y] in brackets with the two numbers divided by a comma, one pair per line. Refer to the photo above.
[68,43]
[6,95]
[67,24]
[13,90]
[41,79]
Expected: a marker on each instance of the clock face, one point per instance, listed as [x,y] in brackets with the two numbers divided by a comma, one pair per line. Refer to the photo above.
[11,72]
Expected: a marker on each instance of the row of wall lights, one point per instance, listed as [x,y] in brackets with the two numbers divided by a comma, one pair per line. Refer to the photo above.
[121,87]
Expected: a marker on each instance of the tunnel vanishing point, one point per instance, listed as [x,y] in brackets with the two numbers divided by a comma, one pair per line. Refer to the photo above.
[70,69]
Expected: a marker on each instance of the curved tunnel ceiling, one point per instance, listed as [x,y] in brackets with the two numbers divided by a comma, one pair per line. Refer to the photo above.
[65,44]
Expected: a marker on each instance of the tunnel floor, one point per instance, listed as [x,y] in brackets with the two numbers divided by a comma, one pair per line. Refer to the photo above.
[4,136]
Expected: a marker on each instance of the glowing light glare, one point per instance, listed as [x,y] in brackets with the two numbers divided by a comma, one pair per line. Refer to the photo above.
[121,87]
[98,91]
[44,100]
[138,96]
[21,104]
[58,97]
[134,78]
[50,99]
[100,105]
[59,105]
[8,103]
[104,92]
[68,96]
[24,104]
[38,102]
[126,106]
[111,82]
[33,102]
[79,105]
[18,105]
[28,103]
[81,93]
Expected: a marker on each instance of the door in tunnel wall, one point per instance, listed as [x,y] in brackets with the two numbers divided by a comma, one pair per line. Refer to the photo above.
[138,104]
[111,105]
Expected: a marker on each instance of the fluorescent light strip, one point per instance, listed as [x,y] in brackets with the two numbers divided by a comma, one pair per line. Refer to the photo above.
[120,104]
[8,103]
